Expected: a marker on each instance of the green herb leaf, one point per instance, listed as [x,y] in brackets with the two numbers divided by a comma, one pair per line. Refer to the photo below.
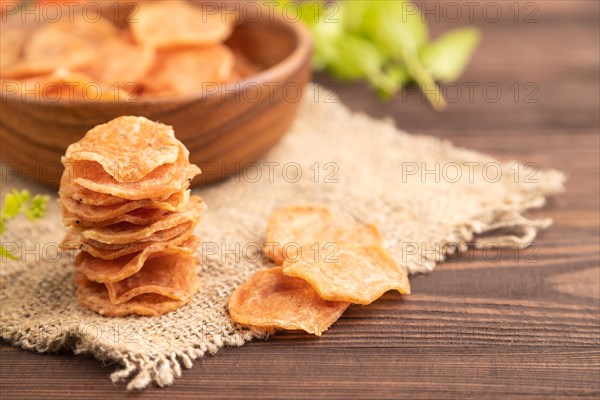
[311,12]
[327,37]
[383,42]
[415,19]
[426,82]
[13,202]
[353,14]
[17,202]
[5,254]
[357,58]
[37,207]
[384,25]
[447,57]
[401,40]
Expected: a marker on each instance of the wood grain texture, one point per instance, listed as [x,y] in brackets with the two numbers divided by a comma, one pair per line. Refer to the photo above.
[526,324]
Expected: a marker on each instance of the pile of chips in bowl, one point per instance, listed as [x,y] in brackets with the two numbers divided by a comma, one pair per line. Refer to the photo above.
[167,47]
[125,196]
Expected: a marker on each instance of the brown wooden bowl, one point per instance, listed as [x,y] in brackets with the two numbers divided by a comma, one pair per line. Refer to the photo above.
[225,128]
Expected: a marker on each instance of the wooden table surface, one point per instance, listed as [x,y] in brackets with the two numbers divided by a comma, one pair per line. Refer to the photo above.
[524,325]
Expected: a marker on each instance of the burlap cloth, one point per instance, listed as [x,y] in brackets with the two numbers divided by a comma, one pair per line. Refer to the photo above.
[428,198]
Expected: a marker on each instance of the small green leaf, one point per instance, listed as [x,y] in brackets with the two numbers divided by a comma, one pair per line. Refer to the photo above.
[384,25]
[19,201]
[398,40]
[412,16]
[353,14]
[324,30]
[447,57]
[326,36]
[398,73]
[393,78]
[311,12]
[13,202]
[37,207]
[409,14]
[283,3]
[426,82]
[23,195]
[5,254]
[356,58]
[11,206]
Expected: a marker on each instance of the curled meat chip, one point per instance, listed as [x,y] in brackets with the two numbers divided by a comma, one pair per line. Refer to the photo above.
[173,276]
[62,84]
[164,180]
[271,301]
[291,227]
[356,274]
[126,70]
[15,34]
[99,270]
[123,233]
[86,196]
[189,70]
[177,23]
[128,148]
[100,214]
[95,297]
[140,216]
[62,44]
[169,237]
[294,226]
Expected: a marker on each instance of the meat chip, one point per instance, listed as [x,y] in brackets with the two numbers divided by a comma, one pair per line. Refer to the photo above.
[271,301]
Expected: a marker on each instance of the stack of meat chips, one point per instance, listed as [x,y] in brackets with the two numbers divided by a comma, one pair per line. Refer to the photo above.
[125,196]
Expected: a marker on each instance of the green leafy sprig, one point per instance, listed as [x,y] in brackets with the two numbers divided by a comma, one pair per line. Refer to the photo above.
[20,202]
[386,43]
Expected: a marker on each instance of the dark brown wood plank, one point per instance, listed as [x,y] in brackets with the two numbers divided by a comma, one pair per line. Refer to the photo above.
[524,325]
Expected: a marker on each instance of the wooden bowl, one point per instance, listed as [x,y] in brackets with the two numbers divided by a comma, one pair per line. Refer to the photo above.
[225,128]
